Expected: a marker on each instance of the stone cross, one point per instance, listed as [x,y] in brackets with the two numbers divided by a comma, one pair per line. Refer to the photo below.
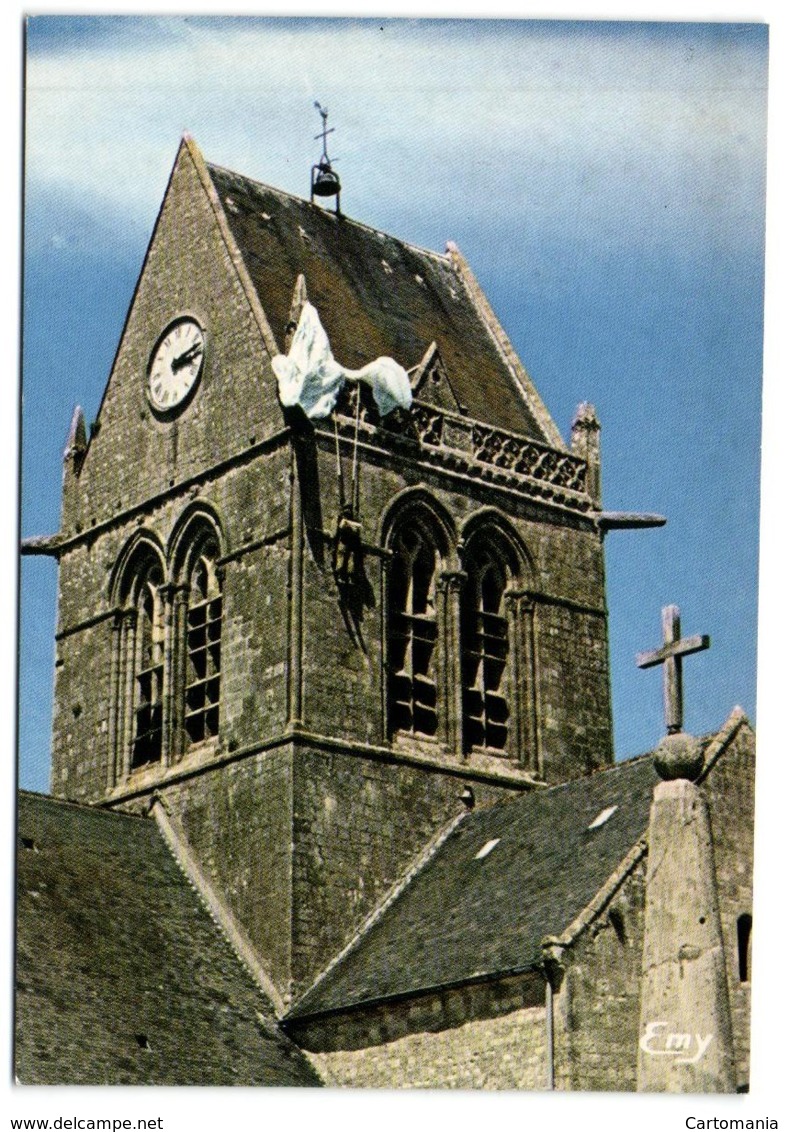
[670,655]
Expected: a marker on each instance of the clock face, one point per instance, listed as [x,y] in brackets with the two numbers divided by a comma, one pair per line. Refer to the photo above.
[176,364]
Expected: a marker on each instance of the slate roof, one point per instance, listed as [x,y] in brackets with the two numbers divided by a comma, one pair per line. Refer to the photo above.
[462,917]
[116,953]
[375,295]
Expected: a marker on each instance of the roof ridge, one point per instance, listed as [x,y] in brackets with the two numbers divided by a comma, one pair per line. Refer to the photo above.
[596,773]
[443,258]
[92,807]
[599,902]
[417,865]
[237,258]
[718,741]
[232,932]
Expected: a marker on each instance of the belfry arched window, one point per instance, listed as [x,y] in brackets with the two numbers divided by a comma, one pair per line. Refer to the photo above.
[167,646]
[412,631]
[148,669]
[137,725]
[485,647]
[203,642]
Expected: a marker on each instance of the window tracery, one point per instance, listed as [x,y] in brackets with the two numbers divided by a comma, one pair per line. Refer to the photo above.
[485,650]
[148,670]
[413,632]
[203,645]
[166,666]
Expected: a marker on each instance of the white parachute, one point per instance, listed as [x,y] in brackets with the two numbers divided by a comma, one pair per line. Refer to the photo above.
[310,377]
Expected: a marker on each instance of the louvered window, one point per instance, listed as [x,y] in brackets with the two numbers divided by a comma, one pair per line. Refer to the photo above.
[412,634]
[149,672]
[203,650]
[485,643]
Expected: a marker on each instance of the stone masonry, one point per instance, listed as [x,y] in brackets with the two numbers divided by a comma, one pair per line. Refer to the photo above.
[306,805]
[329,655]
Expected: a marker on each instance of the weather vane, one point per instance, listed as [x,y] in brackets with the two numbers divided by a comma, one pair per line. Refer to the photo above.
[325,182]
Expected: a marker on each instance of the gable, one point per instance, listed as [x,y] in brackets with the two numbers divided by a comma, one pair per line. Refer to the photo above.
[510,875]
[504,879]
[122,976]
[431,383]
[191,271]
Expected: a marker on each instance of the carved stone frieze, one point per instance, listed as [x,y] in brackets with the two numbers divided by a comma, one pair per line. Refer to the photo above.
[479,450]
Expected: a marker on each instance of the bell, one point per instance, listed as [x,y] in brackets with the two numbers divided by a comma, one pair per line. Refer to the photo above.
[325,182]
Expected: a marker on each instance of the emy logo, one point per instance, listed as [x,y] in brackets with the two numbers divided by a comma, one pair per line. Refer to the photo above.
[659,1040]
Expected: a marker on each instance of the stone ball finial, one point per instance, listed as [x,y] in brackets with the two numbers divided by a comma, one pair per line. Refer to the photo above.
[679,755]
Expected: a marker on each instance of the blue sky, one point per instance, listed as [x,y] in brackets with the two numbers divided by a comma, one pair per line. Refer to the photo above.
[605,182]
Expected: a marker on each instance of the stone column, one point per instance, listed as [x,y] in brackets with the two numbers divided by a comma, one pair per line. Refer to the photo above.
[296,593]
[114,769]
[127,690]
[685,1041]
[449,659]
[386,566]
[173,599]
[175,673]
[520,626]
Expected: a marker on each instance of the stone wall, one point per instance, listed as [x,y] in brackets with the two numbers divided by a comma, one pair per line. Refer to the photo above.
[250,503]
[344,692]
[358,824]
[490,1036]
[573,694]
[597,1006]
[255,644]
[730,792]
[237,821]
[188,270]
[303,842]
[82,704]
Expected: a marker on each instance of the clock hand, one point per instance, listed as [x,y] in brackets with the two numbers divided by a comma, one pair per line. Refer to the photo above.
[187,356]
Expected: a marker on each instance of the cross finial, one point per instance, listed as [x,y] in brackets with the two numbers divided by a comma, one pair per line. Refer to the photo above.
[325,182]
[324,113]
[670,655]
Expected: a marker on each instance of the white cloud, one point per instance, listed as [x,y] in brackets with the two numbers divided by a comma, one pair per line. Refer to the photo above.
[575,124]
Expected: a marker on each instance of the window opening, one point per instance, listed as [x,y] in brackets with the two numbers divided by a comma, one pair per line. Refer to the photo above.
[149,672]
[204,649]
[744,927]
[485,643]
[617,922]
[412,634]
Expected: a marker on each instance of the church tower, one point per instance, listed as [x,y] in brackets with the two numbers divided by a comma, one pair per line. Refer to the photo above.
[308,639]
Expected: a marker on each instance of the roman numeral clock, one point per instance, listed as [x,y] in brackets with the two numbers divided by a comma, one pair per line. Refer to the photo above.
[176,364]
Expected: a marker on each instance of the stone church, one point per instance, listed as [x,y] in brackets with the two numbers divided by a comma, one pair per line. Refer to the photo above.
[333,791]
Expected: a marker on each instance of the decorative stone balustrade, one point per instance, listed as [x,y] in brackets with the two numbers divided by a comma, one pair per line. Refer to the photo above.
[478,449]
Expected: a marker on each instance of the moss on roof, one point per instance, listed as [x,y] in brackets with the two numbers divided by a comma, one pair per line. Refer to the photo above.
[376,295]
[122,976]
[506,877]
